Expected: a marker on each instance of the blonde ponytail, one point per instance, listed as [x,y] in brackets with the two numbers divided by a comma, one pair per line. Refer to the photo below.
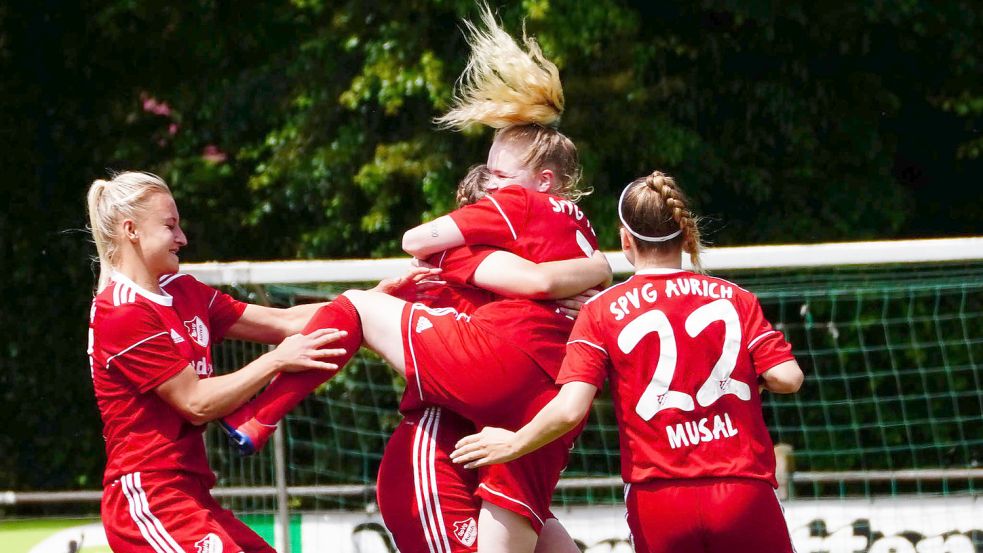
[109,203]
[504,84]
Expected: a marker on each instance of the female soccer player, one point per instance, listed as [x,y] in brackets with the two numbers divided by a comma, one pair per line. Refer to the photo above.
[497,363]
[149,337]
[685,354]
[437,509]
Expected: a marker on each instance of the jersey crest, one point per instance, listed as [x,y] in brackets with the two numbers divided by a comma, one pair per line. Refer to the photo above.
[209,544]
[198,331]
[466,531]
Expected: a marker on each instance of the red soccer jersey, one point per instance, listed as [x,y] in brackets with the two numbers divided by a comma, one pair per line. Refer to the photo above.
[683,353]
[539,227]
[137,341]
[458,266]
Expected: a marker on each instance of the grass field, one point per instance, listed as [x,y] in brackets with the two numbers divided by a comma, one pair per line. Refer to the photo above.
[19,536]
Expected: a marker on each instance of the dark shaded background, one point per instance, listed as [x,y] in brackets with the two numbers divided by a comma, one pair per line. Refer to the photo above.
[302,129]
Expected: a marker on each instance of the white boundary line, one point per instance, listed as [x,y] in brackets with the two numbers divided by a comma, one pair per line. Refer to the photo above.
[714,259]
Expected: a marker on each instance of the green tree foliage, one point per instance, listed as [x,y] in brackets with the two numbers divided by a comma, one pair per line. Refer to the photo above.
[303,129]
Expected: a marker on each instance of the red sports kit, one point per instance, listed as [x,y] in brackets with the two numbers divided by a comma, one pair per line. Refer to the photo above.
[496,365]
[683,353]
[157,477]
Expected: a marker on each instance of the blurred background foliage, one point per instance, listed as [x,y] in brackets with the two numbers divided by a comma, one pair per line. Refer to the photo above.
[299,129]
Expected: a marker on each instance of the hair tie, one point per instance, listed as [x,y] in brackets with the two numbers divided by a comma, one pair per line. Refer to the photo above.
[624,223]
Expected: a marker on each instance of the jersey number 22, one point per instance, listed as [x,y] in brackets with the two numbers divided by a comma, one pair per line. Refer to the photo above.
[657,395]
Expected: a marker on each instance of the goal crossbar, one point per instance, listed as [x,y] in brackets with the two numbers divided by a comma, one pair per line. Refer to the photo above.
[714,259]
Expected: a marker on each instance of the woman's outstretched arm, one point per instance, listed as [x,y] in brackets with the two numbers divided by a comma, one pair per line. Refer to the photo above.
[497,445]
[509,275]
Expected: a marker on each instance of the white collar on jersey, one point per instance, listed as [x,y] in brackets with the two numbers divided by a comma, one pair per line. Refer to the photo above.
[166,299]
[658,271]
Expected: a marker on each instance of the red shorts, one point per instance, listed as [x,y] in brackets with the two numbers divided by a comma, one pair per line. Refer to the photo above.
[436,511]
[172,512]
[707,514]
[452,363]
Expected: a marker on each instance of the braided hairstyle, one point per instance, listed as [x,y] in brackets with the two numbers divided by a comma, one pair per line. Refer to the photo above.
[472,186]
[655,206]
[516,90]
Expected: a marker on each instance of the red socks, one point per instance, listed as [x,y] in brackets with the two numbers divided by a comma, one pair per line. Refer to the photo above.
[286,390]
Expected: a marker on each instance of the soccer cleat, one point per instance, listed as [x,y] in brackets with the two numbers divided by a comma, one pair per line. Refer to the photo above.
[249,437]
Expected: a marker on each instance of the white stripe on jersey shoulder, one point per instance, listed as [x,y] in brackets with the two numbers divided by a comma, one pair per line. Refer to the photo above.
[752,343]
[167,279]
[163,332]
[609,288]
[504,216]
[591,344]
[164,299]
[440,262]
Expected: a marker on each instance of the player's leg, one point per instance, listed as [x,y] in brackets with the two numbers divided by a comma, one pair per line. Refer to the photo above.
[251,425]
[555,539]
[382,331]
[744,515]
[435,510]
[665,517]
[504,530]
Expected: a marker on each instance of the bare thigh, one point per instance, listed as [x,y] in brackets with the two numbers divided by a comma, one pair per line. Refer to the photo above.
[382,332]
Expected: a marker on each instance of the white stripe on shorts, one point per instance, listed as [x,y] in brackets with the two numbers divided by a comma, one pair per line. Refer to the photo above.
[150,527]
[419,485]
[432,467]
[513,500]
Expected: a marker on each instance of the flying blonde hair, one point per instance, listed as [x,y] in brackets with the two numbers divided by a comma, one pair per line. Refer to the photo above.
[517,91]
[504,84]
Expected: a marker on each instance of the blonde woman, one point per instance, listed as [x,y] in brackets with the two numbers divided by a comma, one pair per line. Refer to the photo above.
[150,333]
[685,354]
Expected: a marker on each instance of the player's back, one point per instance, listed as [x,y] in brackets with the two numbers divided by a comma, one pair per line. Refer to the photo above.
[539,227]
[685,354]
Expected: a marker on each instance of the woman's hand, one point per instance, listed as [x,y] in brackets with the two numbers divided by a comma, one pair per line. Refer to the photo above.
[302,352]
[419,278]
[570,307]
[488,447]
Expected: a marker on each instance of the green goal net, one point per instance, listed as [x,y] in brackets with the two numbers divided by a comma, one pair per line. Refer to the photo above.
[892,404]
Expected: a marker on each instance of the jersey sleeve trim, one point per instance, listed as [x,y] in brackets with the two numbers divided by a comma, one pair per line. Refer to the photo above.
[504,216]
[754,342]
[591,344]
[215,295]
[165,375]
[147,339]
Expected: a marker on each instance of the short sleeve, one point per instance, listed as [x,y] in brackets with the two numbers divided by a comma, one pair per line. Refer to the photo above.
[138,345]
[495,220]
[766,345]
[223,310]
[587,359]
[459,264]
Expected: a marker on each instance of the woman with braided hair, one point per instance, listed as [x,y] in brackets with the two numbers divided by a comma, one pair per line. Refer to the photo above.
[685,354]
[497,364]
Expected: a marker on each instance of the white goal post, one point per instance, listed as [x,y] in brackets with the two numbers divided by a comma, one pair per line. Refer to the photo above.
[714,259]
